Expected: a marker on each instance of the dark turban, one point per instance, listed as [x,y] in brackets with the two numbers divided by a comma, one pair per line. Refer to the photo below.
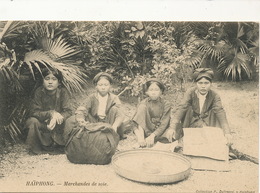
[203,72]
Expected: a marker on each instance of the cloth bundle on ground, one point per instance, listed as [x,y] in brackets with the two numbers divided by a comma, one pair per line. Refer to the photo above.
[95,143]
[207,148]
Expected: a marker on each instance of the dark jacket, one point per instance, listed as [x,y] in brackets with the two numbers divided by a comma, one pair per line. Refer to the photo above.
[212,113]
[43,104]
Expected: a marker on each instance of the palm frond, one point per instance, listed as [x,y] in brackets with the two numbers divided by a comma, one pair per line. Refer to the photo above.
[195,59]
[9,74]
[41,29]
[11,77]
[16,120]
[10,29]
[74,78]
[254,51]
[58,48]
[31,58]
[240,62]
[212,49]
[6,62]
[49,38]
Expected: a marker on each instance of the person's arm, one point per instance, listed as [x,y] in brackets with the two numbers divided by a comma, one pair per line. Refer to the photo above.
[118,121]
[181,111]
[82,111]
[221,114]
[66,105]
[165,120]
[183,107]
[119,114]
[37,108]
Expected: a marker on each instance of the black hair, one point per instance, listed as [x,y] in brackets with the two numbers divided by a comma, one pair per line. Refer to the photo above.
[148,84]
[205,78]
[102,75]
[105,77]
[55,73]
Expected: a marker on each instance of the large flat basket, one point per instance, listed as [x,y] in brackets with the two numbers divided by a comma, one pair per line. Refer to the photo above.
[151,166]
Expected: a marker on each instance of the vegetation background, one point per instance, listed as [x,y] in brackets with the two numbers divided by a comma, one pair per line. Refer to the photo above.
[130,51]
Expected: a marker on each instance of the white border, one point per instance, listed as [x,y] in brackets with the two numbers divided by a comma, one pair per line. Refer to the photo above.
[131,10]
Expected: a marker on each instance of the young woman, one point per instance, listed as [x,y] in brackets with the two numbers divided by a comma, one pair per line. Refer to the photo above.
[49,109]
[101,106]
[152,116]
[200,107]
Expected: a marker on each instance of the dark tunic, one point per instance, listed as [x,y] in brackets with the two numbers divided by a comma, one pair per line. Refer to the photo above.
[212,114]
[43,104]
[153,116]
[41,107]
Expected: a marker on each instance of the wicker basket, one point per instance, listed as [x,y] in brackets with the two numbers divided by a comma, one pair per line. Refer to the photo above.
[151,166]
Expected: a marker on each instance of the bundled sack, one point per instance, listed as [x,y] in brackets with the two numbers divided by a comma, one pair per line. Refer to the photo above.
[95,143]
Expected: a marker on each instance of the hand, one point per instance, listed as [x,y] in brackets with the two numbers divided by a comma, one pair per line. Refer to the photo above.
[52,124]
[229,139]
[58,117]
[170,133]
[139,132]
[81,122]
[150,140]
[142,143]
[114,127]
[80,109]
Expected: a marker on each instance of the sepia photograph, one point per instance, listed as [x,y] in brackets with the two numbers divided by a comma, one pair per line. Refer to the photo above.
[129,104]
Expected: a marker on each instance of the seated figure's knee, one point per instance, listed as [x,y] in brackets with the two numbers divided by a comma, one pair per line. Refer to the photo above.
[142,108]
[70,123]
[113,111]
[71,120]
[32,122]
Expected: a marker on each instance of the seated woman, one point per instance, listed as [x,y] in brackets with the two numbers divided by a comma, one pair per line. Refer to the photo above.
[152,116]
[50,108]
[200,107]
[101,106]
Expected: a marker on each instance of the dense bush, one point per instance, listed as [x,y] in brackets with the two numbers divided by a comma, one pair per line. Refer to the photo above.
[131,51]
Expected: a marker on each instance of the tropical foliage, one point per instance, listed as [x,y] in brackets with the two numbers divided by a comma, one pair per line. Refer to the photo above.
[229,47]
[27,48]
[131,51]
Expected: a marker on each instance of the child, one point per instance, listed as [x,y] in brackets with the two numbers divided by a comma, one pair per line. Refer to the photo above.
[200,107]
[152,117]
[50,108]
[101,106]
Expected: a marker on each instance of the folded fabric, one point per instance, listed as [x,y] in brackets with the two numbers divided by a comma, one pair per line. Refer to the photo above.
[207,142]
[165,146]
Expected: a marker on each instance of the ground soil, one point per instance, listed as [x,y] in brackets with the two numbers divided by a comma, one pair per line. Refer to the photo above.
[240,101]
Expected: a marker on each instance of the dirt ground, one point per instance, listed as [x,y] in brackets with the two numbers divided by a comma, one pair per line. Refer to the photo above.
[19,170]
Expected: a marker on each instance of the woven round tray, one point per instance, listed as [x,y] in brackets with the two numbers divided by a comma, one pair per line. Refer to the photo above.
[151,166]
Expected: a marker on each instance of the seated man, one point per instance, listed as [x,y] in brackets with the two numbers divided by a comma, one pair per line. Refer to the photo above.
[200,107]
